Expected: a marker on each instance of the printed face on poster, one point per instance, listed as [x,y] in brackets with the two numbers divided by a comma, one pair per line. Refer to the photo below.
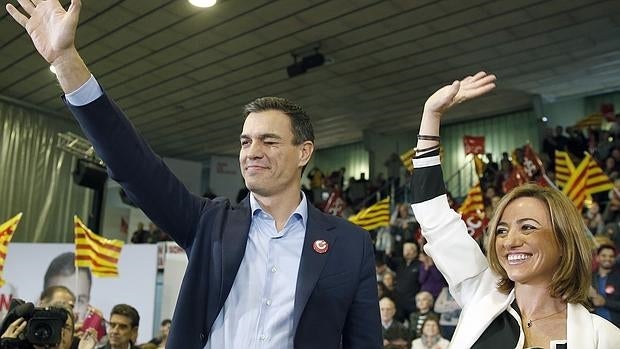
[29,266]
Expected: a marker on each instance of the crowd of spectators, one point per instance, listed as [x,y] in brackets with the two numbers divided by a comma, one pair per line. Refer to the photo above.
[414,297]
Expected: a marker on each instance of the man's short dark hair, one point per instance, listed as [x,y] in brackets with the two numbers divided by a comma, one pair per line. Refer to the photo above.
[63,265]
[604,247]
[166,322]
[128,311]
[300,120]
[49,292]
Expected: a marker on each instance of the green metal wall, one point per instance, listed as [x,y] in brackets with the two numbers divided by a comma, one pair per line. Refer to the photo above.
[502,133]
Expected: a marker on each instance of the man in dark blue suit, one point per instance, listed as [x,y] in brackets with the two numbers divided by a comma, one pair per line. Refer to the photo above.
[272,272]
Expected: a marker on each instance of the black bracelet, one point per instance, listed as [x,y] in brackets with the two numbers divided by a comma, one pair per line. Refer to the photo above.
[429,149]
[428,138]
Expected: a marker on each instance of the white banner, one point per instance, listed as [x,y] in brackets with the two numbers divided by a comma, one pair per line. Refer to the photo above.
[26,266]
[174,264]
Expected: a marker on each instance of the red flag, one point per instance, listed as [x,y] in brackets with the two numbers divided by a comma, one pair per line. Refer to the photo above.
[473,144]
[334,205]
[516,178]
[608,112]
[532,165]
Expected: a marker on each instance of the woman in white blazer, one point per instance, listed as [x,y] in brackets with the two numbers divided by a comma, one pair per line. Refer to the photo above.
[531,290]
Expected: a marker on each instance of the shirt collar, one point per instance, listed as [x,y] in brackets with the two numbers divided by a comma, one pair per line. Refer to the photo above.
[301,210]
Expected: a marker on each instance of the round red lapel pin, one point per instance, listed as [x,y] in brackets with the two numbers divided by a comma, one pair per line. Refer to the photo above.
[320,246]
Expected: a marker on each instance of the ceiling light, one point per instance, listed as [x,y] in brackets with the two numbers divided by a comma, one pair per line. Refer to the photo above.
[52,69]
[203,3]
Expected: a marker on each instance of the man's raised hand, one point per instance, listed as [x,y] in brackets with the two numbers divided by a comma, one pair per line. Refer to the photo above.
[51,28]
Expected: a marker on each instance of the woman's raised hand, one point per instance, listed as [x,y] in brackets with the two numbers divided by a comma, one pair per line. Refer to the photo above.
[459,92]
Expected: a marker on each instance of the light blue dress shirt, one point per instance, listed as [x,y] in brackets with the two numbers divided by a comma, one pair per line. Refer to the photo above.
[258,312]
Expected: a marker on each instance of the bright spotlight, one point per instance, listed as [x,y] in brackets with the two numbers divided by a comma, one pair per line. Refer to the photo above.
[203,3]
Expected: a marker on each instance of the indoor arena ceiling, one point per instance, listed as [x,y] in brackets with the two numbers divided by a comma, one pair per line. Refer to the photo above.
[183,73]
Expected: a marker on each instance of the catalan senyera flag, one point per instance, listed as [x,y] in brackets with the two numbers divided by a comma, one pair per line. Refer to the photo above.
[576,186]
[564,168]
[474,202]
[406,159]
[373,217]
[597,181]
[96,252]
[6,233]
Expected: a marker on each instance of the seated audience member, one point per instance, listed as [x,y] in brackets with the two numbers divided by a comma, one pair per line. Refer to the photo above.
[395,335]
[380,289]
[449,312]
[431,336]
[430,277]
[612,210]
[424,303]
[594,218]
[407,283]
[605,292]
[123,327]
[402,225]
[388,282]
[381,268]
[384,242]
[141,235]
[88,340]
[160,341]
[532,291]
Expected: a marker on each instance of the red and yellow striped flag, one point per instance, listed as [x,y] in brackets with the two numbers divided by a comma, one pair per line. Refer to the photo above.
[597,180]
[373,217]
[474,202]
[564,168]
[96,252]
[6,233]
[406,157]
[576,186]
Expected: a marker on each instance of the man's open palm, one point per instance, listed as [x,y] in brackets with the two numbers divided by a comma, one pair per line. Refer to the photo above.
[51,28]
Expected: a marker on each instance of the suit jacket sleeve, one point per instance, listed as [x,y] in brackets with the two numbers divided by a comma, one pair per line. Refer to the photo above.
[144,176]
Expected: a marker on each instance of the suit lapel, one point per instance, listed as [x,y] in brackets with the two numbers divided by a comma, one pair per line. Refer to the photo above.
[312,262]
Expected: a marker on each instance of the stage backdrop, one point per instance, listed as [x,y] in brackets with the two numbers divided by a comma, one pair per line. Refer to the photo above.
[26,265]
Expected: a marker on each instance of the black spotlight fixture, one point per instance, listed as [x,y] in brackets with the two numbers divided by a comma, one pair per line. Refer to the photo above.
[313,61]
[296,68]
[308,61]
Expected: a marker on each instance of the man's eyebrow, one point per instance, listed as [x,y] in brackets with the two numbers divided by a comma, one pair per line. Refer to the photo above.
[262,136]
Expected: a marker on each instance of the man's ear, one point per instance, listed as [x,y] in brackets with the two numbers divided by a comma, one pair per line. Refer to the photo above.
[305,153]
[134,334]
